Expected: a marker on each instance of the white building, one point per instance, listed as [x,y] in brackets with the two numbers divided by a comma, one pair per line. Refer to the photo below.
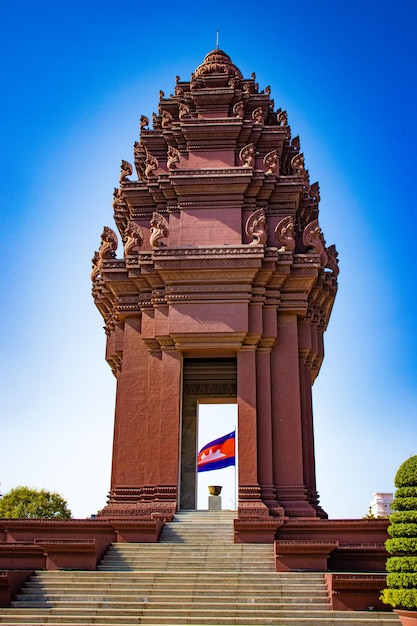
[381,504]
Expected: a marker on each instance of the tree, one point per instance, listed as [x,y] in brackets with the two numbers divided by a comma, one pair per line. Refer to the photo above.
[23,502]
[402,566]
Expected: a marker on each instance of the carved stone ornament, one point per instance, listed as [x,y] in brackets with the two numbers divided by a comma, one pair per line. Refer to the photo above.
[166,119]
[179,91]
[313,240]
[119,203]
[144,121]
[247,155]
[161,94]
[239,109]
[151,165]
[156,121]
[271,162]
[109,243]
[284,234]
[217,62]
[332,260]
[257,116]
[297,163]
[134,239]
[282,118]
[174,157]
[246,87]
[184,111]
[268,90]
[125,170]
[295,143]
[159,230]
[315,191]
[95,272]
[257,228]
[233,82]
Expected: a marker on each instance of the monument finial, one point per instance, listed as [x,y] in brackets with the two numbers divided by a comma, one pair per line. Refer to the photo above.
[217,39]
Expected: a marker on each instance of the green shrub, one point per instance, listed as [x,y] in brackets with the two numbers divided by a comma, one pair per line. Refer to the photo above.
[404,504]
[402,564]
[402,530]
[404,517]
[402,581]
[400,598]
[406,475]
[401,589]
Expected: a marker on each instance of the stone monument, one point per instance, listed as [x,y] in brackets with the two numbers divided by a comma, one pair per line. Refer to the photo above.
[222,290]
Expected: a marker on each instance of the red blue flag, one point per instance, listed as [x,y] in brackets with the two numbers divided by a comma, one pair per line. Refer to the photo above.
[217,454]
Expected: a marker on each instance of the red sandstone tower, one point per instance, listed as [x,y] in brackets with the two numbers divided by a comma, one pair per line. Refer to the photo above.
[224,292]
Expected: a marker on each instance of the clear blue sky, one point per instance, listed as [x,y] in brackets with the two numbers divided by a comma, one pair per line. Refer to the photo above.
[76,76]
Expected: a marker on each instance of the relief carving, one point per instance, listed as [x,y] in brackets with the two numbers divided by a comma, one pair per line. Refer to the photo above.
[125,170]
[295,143]
[284,234]
[239,109]
[257,116]
[166,119]
[184,111]
[107,250]
[332,260]
[247,155]
[174,157]
[282,118]
[313,240]
[257,228]
[271,162]
[144,121]
[134,239]
[159,230]
[151,164]
[297,163]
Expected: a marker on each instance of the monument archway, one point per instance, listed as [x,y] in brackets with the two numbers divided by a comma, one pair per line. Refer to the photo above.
[223,289]
[211,380]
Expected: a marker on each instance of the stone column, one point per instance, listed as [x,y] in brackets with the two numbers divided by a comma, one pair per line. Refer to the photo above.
[287,420]
[250,503]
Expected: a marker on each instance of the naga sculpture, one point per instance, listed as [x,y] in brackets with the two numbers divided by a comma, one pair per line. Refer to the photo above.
[151,165]
[282,118]
[257,116]
[284,234]
[332,260]
[166,119]
[256,227]
[184,111]
[247,155]
[134,239]
[107,250]
[313,240]
[174,157]
[297,163]
[239,109]
[125,170]
[159,230]
[271,162]
[144,121]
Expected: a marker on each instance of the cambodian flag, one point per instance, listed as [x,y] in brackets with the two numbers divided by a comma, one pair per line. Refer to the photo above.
[217,454]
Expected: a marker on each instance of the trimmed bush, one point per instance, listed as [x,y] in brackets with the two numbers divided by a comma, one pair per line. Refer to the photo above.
[401,589]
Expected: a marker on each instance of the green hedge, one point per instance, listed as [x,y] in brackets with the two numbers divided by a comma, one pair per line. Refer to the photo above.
[404,504]
[404,517]
[401,589]
[402,530]
[402,564]
[406,475]
[400,598]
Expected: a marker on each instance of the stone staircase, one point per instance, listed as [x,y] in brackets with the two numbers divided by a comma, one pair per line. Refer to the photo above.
[194,575]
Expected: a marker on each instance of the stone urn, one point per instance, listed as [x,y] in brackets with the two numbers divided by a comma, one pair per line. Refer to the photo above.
[215,490]
[408,618]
